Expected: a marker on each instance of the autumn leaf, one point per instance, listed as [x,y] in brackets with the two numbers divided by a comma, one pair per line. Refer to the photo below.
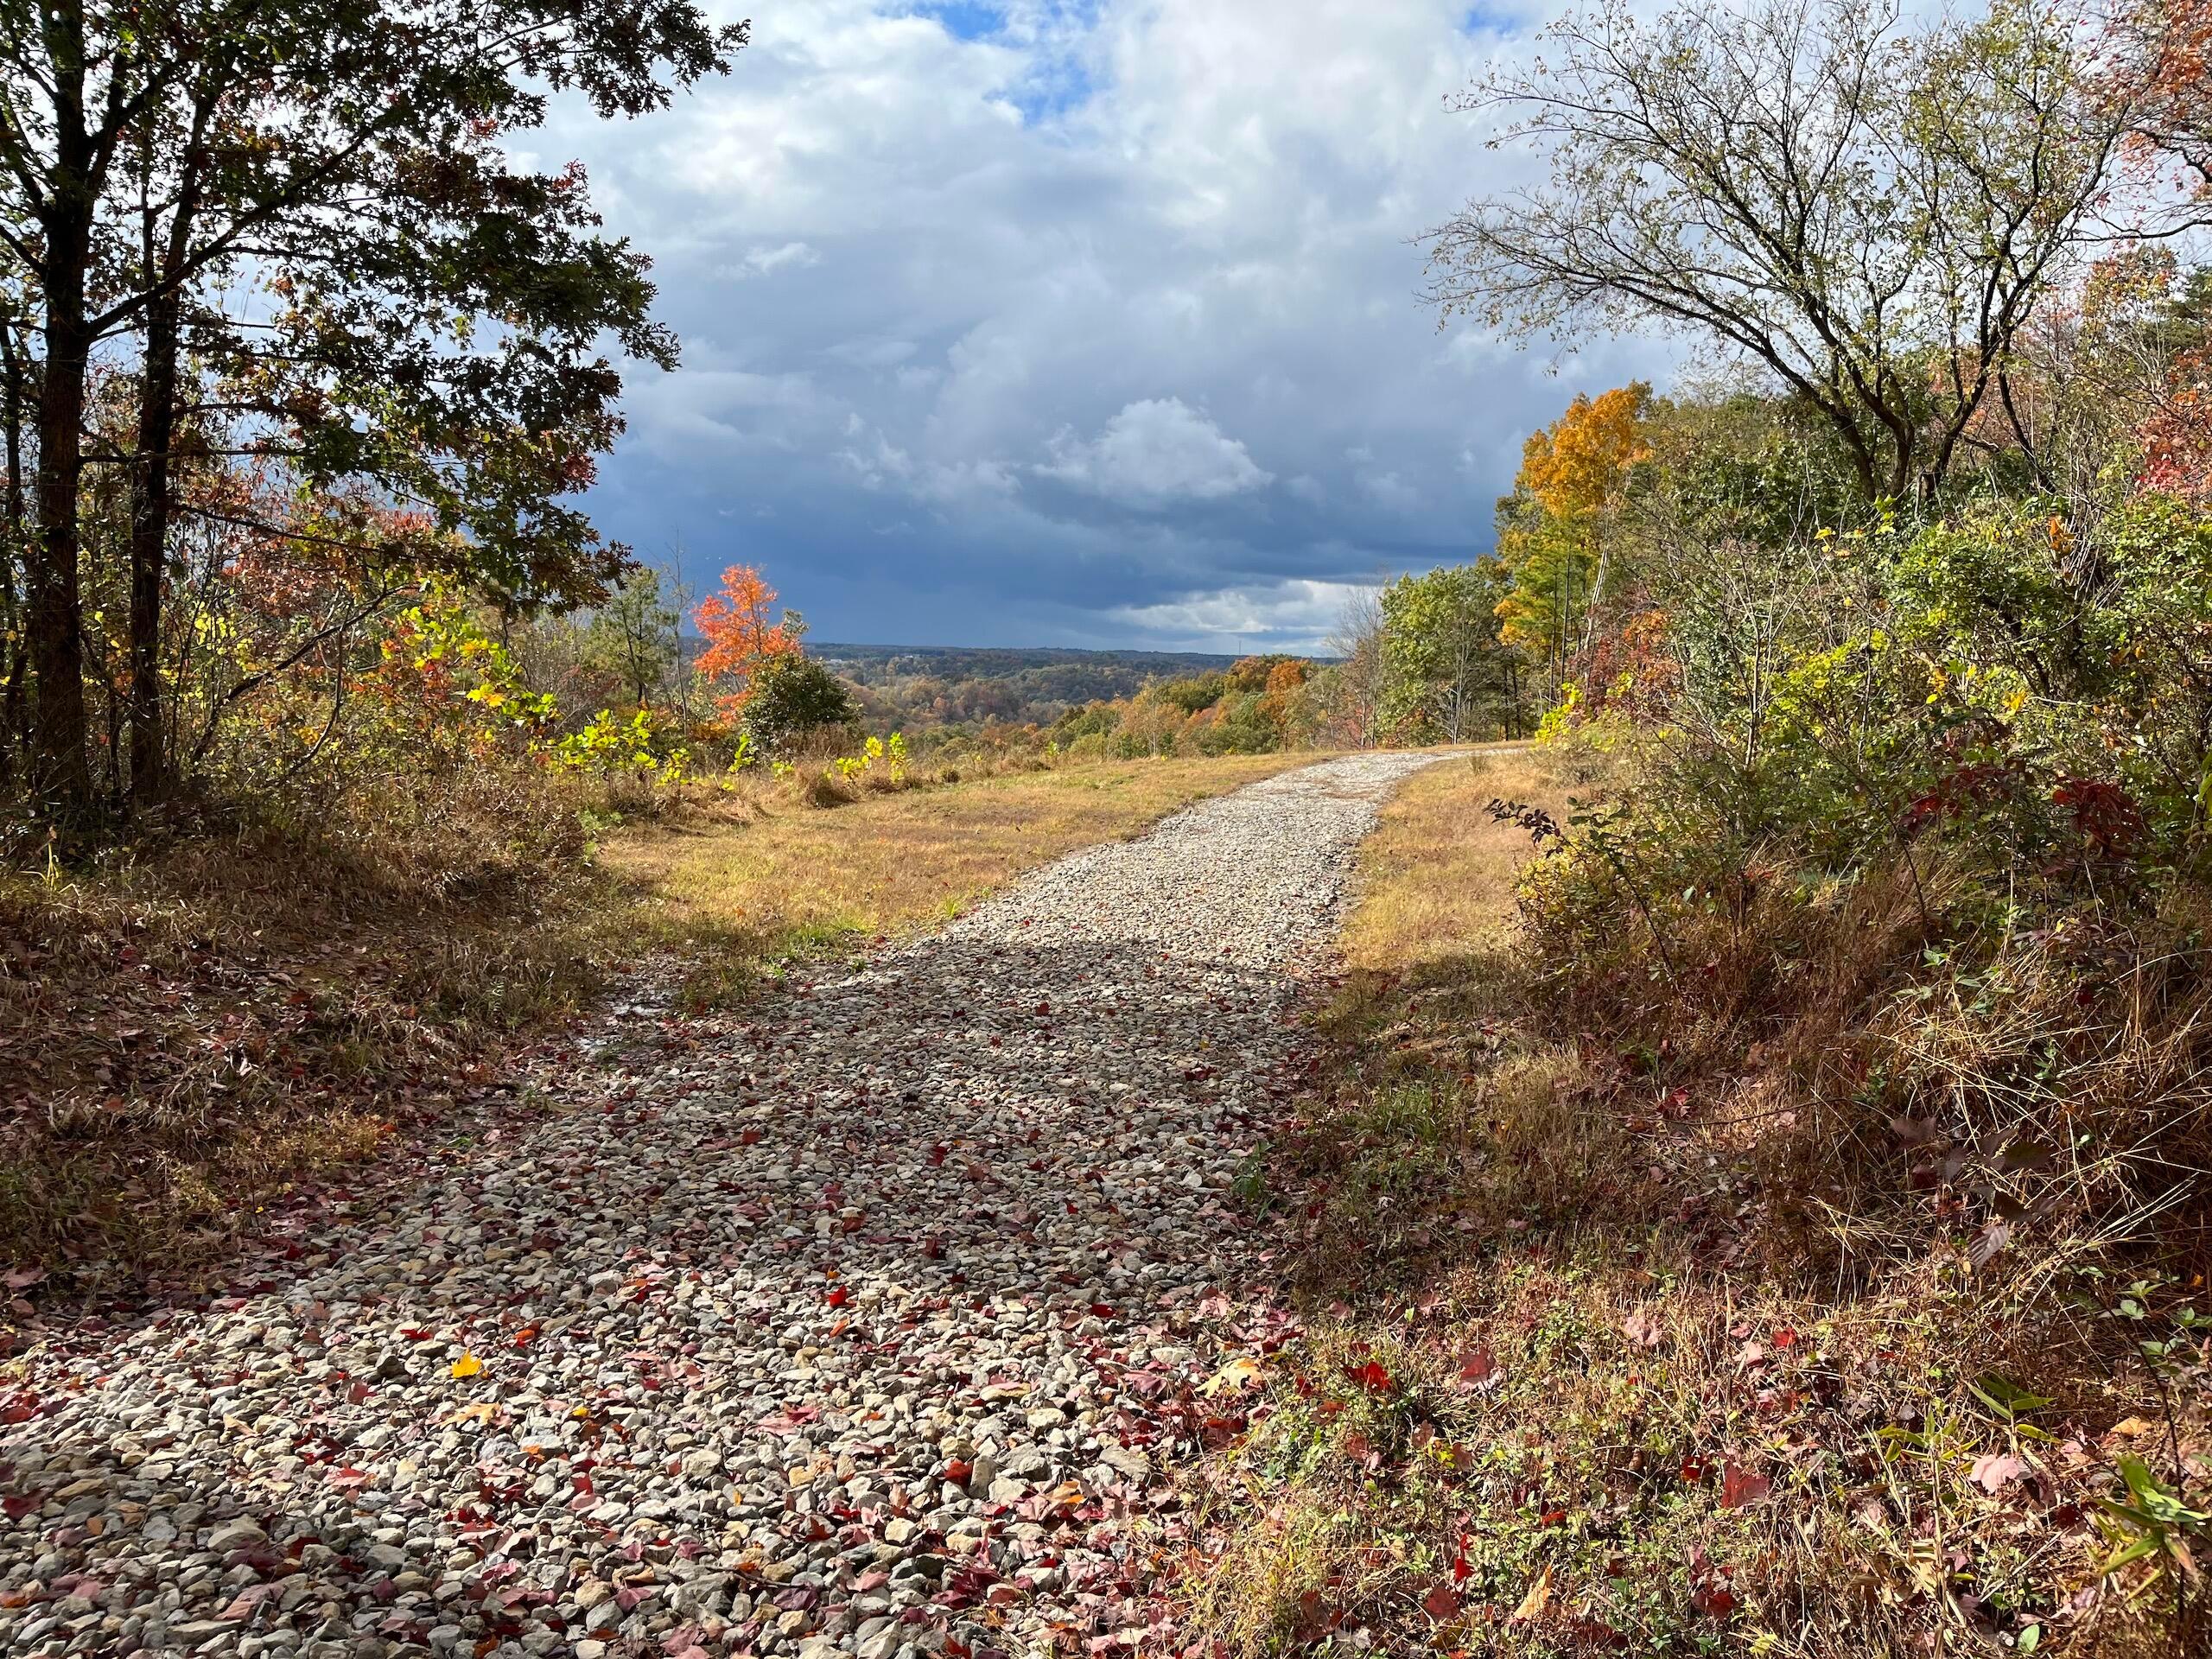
[1536,1602]
[1477,1369]
[1440,1603]
[1739,1486]
[468,1365]
[1242,1372]
[1996,1471]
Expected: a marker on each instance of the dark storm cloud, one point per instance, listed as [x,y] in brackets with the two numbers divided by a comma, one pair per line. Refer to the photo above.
[1086,324]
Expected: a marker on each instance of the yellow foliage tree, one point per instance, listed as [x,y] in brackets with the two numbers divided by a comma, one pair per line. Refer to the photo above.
[1551,529]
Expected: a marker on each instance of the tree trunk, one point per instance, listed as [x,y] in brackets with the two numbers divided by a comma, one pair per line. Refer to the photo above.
[149,528]
[12,512]
[53,609]
[60,777]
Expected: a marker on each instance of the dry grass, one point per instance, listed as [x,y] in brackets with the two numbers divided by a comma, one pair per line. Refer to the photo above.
[770,875]
[1627,1332]
[188,1032]
[1438,872]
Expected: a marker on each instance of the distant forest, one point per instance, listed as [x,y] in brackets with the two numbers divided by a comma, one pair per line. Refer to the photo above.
[919,687]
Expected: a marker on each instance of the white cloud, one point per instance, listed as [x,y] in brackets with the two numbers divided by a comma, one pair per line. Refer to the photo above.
[762,262]
[1156,450]
[1294,615]
[1111,256]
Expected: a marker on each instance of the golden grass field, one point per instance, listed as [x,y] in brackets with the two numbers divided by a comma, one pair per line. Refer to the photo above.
[887,863]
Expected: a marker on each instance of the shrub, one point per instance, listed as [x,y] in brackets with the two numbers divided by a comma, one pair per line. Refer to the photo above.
[793,696]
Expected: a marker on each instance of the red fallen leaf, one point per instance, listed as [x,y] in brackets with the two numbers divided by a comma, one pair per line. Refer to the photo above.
[937,1155]
[1692,1470]
[23,1278]
[18,1505]
[868,1581]
[1739,1486]
[524,1336]
[1460,1571]
[1714,1600]
[414,1333]
[1103,1310]
[246,1601]
[748,1137]
[838,1296]
[1478,1368]
[1440,1603]
[958,1470]
[1371,1376]
[1786,1337]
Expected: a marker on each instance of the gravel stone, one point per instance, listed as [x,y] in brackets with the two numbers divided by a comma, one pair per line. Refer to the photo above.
[867,1318]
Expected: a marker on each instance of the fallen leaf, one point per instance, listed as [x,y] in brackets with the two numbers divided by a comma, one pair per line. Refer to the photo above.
[1477,1367]
[467,1364]
[1242,1372]
[1538,1598]
[1996,1471]
[1739,1486]
[1440,1603]
[1371,1376]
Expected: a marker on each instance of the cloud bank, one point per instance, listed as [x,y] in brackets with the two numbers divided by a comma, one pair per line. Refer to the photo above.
[1068,323]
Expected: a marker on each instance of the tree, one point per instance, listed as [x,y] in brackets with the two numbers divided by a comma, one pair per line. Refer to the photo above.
[1552,534]
[740,640]
[632,635]
[1354,692]
[1448,668]
[789,694]
[1869,212]
[438,314]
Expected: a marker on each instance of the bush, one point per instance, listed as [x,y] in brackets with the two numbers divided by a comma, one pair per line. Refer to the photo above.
[791,698]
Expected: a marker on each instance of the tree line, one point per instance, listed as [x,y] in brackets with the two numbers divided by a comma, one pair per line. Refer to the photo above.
[286,331]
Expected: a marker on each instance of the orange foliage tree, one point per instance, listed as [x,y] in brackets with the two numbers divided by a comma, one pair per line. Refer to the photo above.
[738,635]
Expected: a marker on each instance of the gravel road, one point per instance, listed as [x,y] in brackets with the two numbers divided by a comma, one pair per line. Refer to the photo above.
[871,1319]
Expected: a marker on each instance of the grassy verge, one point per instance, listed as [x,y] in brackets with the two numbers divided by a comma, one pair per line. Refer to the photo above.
[186,1033]
[743,886]
[1595,1365]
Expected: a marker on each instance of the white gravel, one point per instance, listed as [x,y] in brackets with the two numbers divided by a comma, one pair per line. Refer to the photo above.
[864,1321]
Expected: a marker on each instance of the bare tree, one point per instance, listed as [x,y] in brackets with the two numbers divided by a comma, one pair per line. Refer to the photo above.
[1356,643]
[1870,210]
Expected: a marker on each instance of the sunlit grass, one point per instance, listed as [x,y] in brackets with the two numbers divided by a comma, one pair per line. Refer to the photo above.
[809,877]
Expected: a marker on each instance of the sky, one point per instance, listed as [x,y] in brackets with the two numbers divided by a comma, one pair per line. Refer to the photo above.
[1069,322]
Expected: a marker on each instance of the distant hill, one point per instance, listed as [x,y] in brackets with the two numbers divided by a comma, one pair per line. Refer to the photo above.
[922,686]
[996,662]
